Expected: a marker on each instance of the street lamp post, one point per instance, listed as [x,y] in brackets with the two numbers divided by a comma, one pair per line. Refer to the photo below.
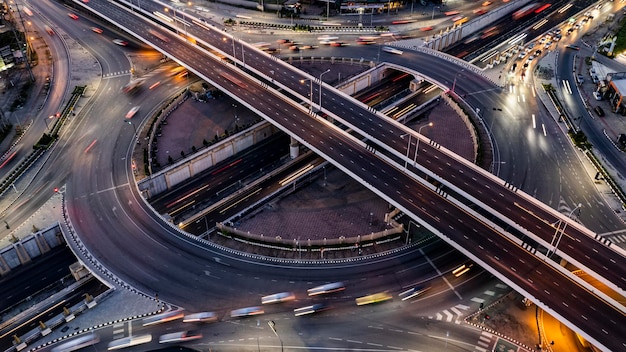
[432,17]
[419,131]
[272,325]
[555,241]
[311,92]
[455,77]
[320,102]
[408,147]
[224,39]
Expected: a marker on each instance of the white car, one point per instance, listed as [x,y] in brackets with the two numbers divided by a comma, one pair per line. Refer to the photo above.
[278,297]
[597,95]
[244,312]
[120,42]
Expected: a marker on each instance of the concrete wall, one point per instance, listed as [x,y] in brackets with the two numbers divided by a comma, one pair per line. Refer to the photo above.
[453,34]
[364,80]
[204,159]
[30,247]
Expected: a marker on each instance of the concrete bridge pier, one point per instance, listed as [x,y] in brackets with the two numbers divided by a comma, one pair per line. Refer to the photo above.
[294,148]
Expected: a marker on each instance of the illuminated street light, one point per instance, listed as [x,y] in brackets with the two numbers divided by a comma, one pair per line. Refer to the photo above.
[311,93]
[419,131]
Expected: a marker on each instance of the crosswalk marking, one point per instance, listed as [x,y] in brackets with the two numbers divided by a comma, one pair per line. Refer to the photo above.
[456,311]
[477,300]
[488,334]
[501,286]
[489,293]
[449,315]
[116,74]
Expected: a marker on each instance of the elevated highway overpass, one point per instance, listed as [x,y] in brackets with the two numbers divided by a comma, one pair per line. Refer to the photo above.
[465,230]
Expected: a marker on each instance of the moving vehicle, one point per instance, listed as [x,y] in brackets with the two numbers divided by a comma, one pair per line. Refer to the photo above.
[133,86]
[278,298]
[599,111]
[375,298]
[574,47]
[525,11]
[132,112]
[159,35]
[462,269]
[327,38]
[129,342]
[120,42]
[580,79]
[77,343]
[414,292]
[27,11]
[202,317]
[180,336]
[310,309]
[327,288]
[163,318]
[73,16]
[392,50]
[246,312]
[459,20]
[97,30]
[597,95]
[49,30]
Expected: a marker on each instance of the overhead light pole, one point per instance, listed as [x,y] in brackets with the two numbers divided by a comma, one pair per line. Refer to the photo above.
[555,240]
[273,327]
[455,77]
[432,17]
[419,131]
[320,102]
[408,147]
[311,93]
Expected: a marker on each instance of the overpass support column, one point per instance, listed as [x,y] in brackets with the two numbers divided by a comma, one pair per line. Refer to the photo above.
[294,148]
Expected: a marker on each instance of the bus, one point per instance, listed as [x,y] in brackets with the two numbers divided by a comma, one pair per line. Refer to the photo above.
[129,342]
[163,318]
[77,343]
[375,298]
